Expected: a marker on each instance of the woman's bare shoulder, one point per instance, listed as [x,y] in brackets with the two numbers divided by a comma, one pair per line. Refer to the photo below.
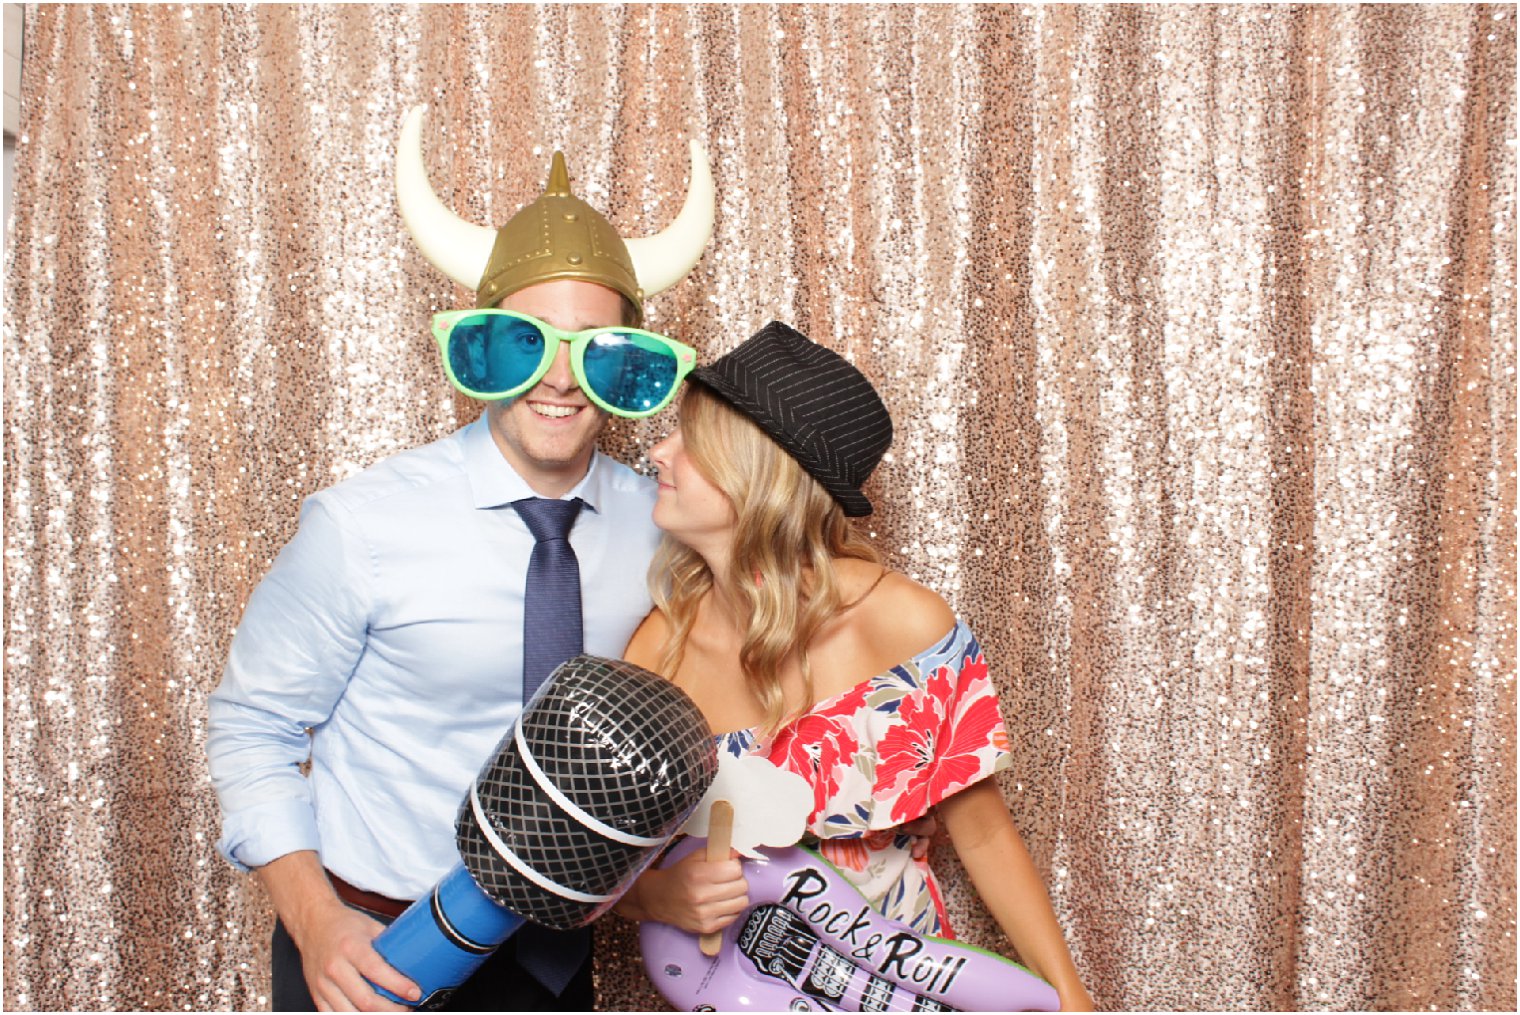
[647,643]
[892,611]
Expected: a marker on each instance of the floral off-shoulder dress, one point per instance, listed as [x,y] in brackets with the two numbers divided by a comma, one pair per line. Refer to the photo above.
[883,753]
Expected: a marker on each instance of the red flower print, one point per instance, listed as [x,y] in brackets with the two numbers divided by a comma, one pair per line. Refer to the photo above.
[906,751]
[819,748]
[846,854]
[925,757]
[978,722]
[973,671]
[854,853]
[942,915]
[844,705]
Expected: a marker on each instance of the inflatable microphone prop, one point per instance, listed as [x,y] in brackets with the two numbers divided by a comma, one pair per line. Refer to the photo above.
[601,769]
[811,942]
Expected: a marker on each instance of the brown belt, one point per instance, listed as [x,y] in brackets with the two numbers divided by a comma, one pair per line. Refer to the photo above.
[371,901]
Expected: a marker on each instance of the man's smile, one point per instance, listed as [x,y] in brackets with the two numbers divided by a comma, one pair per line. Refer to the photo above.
[551,411]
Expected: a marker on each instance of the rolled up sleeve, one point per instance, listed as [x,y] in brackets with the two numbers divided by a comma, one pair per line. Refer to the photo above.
[294,652]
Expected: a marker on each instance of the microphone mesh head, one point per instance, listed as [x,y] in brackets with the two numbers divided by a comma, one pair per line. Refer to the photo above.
[626,749]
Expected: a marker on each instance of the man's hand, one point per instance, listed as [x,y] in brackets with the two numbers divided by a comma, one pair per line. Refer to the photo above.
[338,957]
[336,942]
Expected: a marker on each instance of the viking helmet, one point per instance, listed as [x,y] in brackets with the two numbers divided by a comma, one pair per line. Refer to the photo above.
[557,236]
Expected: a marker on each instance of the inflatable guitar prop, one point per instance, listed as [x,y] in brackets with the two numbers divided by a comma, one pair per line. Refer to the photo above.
[811,942]
[601,769]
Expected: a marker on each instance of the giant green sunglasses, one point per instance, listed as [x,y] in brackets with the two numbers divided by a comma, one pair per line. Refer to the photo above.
[493,354]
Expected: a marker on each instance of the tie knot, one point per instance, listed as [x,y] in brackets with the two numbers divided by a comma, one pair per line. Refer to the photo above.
[548,519]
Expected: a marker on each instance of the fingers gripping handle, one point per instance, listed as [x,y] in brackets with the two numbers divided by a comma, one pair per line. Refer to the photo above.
[719,835]
[442,938]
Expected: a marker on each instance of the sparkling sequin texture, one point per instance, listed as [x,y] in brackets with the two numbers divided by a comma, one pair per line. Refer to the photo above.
[1197,323]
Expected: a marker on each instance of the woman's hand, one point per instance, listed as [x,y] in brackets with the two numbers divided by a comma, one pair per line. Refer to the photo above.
[698,896]
[923,831]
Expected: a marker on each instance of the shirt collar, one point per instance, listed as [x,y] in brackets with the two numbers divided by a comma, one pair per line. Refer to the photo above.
[493,481]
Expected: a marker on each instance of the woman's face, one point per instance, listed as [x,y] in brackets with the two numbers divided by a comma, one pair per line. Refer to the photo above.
[689,506]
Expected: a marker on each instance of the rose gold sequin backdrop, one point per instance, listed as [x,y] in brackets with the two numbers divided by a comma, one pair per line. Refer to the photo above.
[1198,325]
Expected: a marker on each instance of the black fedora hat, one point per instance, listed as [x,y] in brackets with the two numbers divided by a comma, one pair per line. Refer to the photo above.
[810,400]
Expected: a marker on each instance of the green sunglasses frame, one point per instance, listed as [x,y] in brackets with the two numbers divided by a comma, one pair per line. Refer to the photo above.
[443,328]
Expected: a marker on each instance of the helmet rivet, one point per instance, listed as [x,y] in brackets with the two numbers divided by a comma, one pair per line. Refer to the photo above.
[570,216]
[573,258]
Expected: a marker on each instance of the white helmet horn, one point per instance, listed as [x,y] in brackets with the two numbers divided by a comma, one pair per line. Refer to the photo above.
[458,248]
[662,260]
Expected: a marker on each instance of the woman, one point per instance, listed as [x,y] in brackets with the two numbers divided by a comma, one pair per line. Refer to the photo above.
[795,642]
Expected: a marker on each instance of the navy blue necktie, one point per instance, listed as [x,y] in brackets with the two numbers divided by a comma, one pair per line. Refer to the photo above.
[552,629]
[552,633]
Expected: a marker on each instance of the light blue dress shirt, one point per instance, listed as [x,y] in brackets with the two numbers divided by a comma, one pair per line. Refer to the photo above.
[391,625]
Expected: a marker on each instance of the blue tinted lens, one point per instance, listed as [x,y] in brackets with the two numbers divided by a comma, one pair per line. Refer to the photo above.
[493,354]
[630,372]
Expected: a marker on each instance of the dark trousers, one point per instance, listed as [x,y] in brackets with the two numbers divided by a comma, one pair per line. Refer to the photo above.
[500,984]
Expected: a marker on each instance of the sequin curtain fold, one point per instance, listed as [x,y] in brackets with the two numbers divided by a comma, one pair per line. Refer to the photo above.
[1197,323]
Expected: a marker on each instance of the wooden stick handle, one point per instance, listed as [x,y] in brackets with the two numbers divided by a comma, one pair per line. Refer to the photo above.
[720,833]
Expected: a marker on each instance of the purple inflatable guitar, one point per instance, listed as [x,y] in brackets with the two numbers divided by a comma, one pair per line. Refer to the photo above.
[811,942]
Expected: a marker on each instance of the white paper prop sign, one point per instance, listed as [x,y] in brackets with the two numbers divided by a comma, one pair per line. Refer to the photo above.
[771,806]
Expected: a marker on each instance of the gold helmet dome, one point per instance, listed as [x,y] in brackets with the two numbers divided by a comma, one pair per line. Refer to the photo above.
[557,236]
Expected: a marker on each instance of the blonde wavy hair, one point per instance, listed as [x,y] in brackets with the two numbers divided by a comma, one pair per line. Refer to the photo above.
[788,533]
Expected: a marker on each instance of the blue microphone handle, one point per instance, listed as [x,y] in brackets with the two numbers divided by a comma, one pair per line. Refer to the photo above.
[443,937]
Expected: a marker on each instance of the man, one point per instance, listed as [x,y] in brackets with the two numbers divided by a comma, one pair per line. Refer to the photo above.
[408,619]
